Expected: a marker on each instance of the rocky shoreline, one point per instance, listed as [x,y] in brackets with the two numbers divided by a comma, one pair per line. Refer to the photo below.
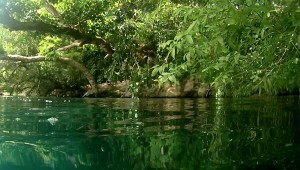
[188,88]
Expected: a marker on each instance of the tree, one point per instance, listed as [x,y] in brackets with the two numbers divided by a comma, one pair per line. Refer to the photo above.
[238,47]
[111,38]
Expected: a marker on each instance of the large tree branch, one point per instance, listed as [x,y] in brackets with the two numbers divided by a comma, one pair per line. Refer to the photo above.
[68,47]
[68,61]
[42,27]
[38,26]
[50,8]
[102,42]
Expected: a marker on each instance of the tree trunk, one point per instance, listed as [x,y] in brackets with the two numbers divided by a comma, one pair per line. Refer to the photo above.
[68,61]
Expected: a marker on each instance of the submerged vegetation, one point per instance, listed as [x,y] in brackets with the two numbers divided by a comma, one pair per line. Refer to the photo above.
[239,48]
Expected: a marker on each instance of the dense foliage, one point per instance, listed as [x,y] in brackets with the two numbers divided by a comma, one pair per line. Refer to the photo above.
[240,47]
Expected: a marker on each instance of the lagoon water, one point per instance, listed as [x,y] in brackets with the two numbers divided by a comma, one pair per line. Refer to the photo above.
[154,134]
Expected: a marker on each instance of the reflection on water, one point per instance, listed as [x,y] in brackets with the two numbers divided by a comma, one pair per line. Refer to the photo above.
[49,133]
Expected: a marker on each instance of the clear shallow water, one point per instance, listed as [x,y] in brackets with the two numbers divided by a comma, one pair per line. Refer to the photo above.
[60,134]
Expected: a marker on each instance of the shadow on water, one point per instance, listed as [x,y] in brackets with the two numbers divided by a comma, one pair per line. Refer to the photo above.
[249,133]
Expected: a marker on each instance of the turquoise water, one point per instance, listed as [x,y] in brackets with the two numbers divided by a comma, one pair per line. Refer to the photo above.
[67,134]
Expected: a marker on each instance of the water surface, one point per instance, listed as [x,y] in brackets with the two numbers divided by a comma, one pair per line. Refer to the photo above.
[60,134]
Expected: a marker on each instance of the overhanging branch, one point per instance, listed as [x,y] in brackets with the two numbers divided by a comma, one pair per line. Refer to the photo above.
[15,25]
[7,21]
[68,61]
[68,47]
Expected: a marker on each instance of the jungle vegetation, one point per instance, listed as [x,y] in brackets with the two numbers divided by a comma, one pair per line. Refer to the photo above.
[239,47]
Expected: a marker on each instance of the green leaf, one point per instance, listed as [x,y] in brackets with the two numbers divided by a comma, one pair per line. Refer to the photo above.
[230,21]
[224,58]
[184,67]
[220,40]
[236,59]
[262,33]
[178,36]
[191,27]
[172,78]
[189,39]
[155,71]
[188,13]
[173,52]
[187,56]
[204,19]
[216,67]
[164,45]
[206,69]
[178,11]
[254,78]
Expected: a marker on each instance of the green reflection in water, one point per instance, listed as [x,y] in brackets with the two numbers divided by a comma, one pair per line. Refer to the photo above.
[49,133]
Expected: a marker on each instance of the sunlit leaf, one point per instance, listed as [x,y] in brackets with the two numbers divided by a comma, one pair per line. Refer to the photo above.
[188,13]
[178,36]
[189,39]
[187,56]
[216,67]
